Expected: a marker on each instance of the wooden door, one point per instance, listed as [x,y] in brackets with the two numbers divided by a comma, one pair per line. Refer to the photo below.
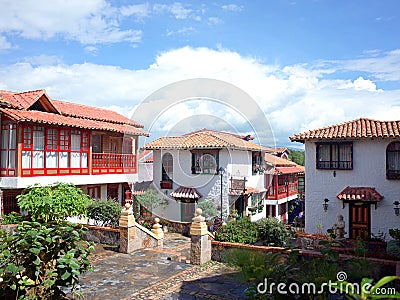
[360,220]
[187,210]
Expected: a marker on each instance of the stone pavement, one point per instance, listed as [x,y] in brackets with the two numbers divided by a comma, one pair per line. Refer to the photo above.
[159,273]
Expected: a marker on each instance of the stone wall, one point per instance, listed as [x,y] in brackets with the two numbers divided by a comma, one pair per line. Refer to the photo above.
[9,228]
[384,267]
[102,235]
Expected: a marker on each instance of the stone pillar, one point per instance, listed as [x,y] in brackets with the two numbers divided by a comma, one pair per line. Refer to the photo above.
[127,230]
[157,230]
[200,249]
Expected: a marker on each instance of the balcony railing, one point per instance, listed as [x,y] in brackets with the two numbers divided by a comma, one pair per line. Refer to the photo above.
[110,163]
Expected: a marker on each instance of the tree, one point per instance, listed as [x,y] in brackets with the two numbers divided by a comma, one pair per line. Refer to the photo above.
[150,200]
[297,157]
[53,202]
[208,208]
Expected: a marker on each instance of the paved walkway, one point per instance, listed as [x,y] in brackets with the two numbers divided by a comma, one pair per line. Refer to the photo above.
[160,273]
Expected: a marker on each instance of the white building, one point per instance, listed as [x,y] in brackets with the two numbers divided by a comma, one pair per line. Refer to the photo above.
[355,166]
[187,168]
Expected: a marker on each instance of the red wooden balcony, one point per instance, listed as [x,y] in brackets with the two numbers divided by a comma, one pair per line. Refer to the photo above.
[112,163]
[283,191]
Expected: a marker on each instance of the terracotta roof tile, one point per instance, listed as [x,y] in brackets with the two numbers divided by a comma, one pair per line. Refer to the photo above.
[22,100]
[93,113]
[355,129]
[54,119]
[278,161]
[207,139]
[360,193]
[186,192]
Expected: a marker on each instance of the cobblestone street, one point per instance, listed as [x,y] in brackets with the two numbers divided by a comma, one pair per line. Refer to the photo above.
[159,273]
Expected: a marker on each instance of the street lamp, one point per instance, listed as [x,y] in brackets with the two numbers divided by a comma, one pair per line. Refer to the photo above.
[221,171]
[325,204]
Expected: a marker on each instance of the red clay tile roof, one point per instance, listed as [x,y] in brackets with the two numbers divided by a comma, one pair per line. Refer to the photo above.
[146,156]
[93,113]
[65,113]
[278,161]
[54,119]
[186,192]
[206,139]
[360,193]
[21,100]
[356,129]
[289,170]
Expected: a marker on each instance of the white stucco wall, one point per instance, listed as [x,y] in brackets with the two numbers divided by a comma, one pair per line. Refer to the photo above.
[369,169]
[236,163]
[23,182]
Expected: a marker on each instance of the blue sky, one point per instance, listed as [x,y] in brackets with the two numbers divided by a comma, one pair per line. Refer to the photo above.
[306,63]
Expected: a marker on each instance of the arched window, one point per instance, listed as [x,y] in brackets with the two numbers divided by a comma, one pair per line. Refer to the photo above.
[393,161]
[167,167]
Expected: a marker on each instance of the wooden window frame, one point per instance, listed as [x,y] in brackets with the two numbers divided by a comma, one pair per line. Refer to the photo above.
[391,173]
[56,140]
[198,163]
[331,164]
[8,126]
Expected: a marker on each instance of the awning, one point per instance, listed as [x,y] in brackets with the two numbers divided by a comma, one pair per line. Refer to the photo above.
[183,192]
[288,170]
[360,194]
[249,190]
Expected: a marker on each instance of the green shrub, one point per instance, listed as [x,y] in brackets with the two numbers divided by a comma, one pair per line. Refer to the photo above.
[53,202]
[272,232]
[11,218]
[208,208]
[255,265]
[241,231]
[104,212]
[393,248]
[38,259]
[395,233]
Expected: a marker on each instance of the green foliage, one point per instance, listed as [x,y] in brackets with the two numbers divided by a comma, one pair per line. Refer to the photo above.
[272,232]
[297,157]
[40,258]
[150,200]
[11,218]
[395,233]
[241,231]
[209,209]
[256,265]
[393,248]
[53,202]
[104,212]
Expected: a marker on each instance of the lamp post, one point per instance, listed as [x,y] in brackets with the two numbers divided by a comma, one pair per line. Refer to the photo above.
[221,171]
[396,208]
[325,204]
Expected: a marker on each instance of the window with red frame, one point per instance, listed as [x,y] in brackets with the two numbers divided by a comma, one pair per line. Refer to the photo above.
[8,147]
[54,148]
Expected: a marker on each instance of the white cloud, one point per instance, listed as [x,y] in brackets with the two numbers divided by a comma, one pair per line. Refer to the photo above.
[88,22]
[293,98]
[232,7]
[181,31]
[138,10]
[214,21]
[4,44]
[177,9]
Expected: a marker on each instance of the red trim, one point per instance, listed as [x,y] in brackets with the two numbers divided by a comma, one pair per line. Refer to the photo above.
[58,141]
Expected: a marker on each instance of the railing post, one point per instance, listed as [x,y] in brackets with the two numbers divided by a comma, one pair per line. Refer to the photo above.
[127,230]
[200,248]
